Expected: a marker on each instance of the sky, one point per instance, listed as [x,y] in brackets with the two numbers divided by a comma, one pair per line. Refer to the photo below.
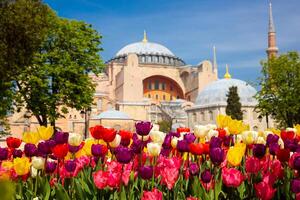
[190,28]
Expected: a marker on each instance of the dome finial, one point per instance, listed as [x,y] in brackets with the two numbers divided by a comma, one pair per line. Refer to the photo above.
[145,37]
[227,75]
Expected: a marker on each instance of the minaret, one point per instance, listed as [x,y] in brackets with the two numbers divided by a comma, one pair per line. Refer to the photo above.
[272,49]
[215,65]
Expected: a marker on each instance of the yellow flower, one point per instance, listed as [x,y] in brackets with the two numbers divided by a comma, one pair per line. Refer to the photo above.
[153,149]
[7,165]
[22,166]
[88,146]
[234,126]
[223,121]
[249,137]
[297,127]
[31,137]
[235,154]
[45,132]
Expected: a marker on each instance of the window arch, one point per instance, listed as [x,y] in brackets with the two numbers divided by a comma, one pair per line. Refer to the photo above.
[211,115]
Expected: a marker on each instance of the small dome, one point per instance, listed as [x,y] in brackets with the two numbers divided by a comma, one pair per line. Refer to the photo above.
[112,114]
[145,48]
[215,93]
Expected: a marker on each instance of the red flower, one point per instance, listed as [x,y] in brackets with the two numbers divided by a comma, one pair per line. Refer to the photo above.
[264,191]
[291,161]
[206,148]
[97,131]
[277,169]
[109,134]
[283,155]
[60,150]
[183,129]
[222,132]
[13,142]
[232,177]
[196,149]
[287,135]
[155,194]
[125,137]
[252,165]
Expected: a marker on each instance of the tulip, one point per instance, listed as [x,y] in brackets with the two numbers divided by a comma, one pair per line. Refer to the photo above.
[194,169]
[13,142]
[100,179]
[74,139]
[70,165]
[109,135]
[196,148]
[167,142]
[44,148]
[272,138]
[291,145]
[146,172]
[261,140]
[143,138]
[215,142]
[273,148]
[174,142]
[143,128]
[200,131]
[50,167]
[21,166]
[30,137]
[3,153]
[252,165]
[183,130]
[222,132]
[249,137]
[61,137]
[157,136]
[217,155]
[155,127]
[7,165]
[283,155]
[123,154]
[97,132]
[97,150]
[60,151]
[264,191]
[17,153]
[45,133]
[232,177]
[189,137]
[74,149]
[183,146]
[227,140]
[212,133]
[295,186]
[153,149]
[125,137]
[87,147]
[296,163]
[292,159]
[30,150]
[116,142]
[206,176]
[38,162]
[259,150]
[235,154]
[155,194]
[287,134]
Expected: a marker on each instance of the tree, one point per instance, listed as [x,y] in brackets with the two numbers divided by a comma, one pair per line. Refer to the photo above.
[234,106]
[59,76]
[280,89]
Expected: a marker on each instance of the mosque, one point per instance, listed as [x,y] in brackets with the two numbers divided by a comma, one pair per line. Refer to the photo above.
[147,81]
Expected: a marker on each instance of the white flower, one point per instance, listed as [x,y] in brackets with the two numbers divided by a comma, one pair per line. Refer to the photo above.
[211,126]
[75,139]
[212,133]
[38,162]
[200,131]
[116,142]
[33,172]
[157,136]
[153,148]
[261,140]
[155,127]
[249,137]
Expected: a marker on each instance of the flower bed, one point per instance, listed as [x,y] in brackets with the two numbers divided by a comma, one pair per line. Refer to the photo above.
[223,161]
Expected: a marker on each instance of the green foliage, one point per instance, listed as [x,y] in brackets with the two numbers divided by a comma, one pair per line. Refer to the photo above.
[280,86]
[165,126]
[234,105]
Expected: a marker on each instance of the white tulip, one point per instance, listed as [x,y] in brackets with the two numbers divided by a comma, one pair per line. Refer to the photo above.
[212,133]
[153,148]
[157,136]
[261,140]
[200,131]
[33,172]
[116,142]
[211,126]
[38,162]
[155,127]
[249,137]
[74,139]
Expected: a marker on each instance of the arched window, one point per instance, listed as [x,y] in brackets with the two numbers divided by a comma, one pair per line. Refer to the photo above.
[156,85]
[156,96]
[143,59]
[149,85]
[211,115]
[155,59]
[166,60]
[163,86]
[161,60]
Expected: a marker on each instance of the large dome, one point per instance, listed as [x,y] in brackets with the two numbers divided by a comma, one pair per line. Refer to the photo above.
[215,93]
[149,48]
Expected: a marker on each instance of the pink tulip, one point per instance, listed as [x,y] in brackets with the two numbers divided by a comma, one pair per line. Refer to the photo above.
[232,177]
[100,179]
[264,191]
[155,194]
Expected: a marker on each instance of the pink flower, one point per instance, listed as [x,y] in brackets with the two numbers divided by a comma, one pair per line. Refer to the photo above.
[277,169]
[100,179]
[232,177]
[168,169]
[155,194]
[252,165]
[264,191]
[191,198]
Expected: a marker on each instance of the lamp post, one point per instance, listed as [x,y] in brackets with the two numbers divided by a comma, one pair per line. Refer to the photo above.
[86,115]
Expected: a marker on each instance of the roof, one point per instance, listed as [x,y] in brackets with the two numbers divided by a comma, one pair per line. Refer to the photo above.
[113,114]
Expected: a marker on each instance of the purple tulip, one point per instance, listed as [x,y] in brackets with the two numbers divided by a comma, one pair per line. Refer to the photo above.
[206,176]
[73,149]
[123,154]
[292,145]
[182,146]
[165,152]
[215,142]
[194,169]
[167,142]
[137,144]
[50,167]
[259,150]
[3,153]
[17,153]
[96,150]
[70,165]
[227,140]
[297,163]
[190,137]
[44,148]
[217,155]
[61,137]
[143,127]
[271,138]
[146,172]
[295,186]
[273,147]
[175,134]
[30,150]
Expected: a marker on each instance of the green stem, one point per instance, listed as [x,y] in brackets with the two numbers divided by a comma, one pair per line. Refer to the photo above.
[36,182]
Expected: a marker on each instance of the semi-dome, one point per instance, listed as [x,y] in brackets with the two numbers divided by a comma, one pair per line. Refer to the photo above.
[113,114]
[215,93]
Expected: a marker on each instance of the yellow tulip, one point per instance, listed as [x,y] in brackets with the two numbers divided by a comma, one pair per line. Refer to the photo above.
[45,132]
[235,154]
[31,137]
[22,166]
[88,146]
[7,165]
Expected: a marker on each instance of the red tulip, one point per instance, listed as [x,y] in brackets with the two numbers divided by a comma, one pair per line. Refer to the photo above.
[109,134]
[252,165]
[206,148]
[196,149]
[13,142]
[125,137]
[277,169]
[222,132]
[183,129]
[287,135]
[60,150]
[264,191]
[283,155]
[155,194]
[97,131]
[291,161]
[232,177]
